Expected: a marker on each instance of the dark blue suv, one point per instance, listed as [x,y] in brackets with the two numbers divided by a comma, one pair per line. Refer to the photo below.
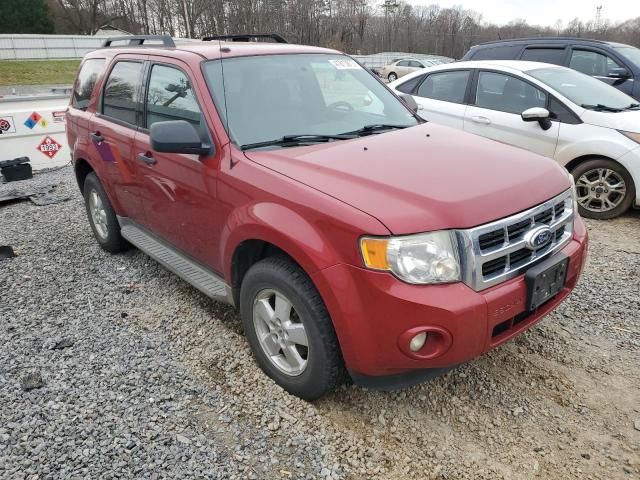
[614,63]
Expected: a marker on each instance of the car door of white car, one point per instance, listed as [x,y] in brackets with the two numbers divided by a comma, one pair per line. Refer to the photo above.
[496,108]
[441,96]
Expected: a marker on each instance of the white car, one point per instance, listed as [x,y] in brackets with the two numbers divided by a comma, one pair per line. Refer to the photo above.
[591,128]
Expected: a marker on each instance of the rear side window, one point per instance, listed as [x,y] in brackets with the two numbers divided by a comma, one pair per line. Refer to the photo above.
[497,53]
[87,78]
[415,64]
[410,85]
[445,86]
[171,97]
[545,55]
[122,92]
[403,63]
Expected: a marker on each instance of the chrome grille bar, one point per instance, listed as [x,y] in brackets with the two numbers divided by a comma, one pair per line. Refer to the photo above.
[473,257]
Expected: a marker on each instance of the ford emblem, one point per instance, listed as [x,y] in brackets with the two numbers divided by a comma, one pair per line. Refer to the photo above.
[538,237]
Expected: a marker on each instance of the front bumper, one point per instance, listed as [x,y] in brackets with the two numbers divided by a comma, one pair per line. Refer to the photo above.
[374,314]
[631,161]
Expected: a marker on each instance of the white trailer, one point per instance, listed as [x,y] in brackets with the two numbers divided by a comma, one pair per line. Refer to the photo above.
[33,126]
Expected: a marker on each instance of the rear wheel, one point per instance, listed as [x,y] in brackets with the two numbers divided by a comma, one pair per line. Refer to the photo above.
[289,329]
[102,217]
[604,188]
[392,77]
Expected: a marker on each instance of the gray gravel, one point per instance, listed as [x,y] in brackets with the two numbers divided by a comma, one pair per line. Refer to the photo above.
[111,367]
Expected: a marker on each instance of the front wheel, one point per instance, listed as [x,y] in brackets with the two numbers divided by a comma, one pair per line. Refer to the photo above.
[392,77]
[289,329]
[604,189]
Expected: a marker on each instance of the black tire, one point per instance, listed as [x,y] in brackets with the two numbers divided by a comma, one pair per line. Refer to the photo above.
[325,367]
[113,241]
[627,201]
[392,77]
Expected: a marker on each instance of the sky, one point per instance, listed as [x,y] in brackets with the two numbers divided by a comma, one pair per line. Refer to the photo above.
[543,12]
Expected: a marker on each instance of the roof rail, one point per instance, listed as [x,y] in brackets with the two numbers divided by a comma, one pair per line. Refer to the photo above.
[140,40]
[560,38]
[246,37]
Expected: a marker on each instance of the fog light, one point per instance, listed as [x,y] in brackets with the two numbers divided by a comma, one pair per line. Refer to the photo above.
[417,342]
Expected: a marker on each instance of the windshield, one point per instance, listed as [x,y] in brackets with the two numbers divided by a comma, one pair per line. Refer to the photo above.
[631,53]
[582,89]
[273,96]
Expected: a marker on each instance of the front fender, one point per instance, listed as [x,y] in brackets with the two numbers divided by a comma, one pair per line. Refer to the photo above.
[270,222]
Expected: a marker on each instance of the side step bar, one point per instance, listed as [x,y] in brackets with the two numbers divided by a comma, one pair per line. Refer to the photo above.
[200,277]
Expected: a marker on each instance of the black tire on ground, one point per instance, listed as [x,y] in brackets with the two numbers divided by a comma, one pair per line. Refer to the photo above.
[606,163]
[325,367]
[392,76]
[113,241]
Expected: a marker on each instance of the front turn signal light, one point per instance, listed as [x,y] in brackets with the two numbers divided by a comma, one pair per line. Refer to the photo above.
[374,253]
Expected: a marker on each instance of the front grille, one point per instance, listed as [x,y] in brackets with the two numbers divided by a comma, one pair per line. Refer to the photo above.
[498,251]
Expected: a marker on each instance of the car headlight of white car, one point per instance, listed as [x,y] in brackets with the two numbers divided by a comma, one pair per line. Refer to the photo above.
[425,258]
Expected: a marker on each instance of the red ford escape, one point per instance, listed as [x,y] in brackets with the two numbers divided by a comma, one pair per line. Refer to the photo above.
[288,181]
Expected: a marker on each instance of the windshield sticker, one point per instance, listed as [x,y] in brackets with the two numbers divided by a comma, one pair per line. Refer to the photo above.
[345,64]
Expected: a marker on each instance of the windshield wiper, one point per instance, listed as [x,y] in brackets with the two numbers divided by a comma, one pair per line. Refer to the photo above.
[292,140]
[633,106]
[377,127]
[601,108]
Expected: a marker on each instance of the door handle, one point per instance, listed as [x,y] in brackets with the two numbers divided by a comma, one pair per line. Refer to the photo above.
[96,137]
[481,120]
[147,158]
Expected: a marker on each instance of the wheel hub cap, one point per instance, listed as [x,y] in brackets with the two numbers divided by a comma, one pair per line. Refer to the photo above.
[280,332]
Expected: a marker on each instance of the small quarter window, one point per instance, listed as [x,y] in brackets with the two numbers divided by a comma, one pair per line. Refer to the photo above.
[87,77]
[121,93]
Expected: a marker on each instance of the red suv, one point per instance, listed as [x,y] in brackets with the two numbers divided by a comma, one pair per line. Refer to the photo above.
[288,181]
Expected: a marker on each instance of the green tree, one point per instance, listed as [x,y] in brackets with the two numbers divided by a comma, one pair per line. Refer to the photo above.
[25,16]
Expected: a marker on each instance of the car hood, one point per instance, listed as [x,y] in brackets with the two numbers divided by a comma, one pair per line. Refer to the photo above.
[423,178]
[627,121]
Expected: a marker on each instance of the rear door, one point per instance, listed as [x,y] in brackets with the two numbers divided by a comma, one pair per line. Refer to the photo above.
[599,64]
[441,97]
[180,189]
[498,100]
[112,131]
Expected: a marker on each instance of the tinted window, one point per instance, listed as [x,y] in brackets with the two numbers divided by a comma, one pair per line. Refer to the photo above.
[415,64]
[446,86]
[561,113]
[630,53]
[403,63]
[507,94]
[171,97]
[121,92]
[87,78]
[592,63]
[546,55]
[410,85]
[497,53]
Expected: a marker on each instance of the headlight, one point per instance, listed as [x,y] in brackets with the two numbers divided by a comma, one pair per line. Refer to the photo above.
[631,135]
[422,259]
[574,193]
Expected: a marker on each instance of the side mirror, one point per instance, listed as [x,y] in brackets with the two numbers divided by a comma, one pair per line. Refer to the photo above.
[538,114]
[621,73]
[177,136]
[409,101]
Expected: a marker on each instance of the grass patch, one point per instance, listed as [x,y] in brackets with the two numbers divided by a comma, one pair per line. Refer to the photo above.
[38,72]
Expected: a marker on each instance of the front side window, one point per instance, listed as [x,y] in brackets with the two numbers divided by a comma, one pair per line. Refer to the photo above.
[445,86]
[266,97]
[582,89]
[507,94]
[122,92]
[592,63]
[87,78]
[630,53]
[170,97]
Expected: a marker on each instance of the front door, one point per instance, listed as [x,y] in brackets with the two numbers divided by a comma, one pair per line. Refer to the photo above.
[496,111]
[180,189]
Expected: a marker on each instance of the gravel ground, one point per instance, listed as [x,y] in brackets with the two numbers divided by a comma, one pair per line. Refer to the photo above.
[112,367]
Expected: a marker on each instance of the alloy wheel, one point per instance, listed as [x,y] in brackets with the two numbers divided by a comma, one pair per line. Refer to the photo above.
[600,190]
[98,214]
[280,332]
